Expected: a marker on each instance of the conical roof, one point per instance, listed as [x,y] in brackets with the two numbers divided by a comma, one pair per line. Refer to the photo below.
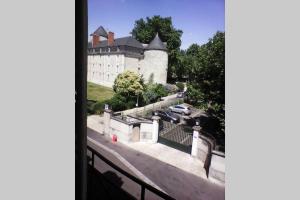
[156,44]
[100,32]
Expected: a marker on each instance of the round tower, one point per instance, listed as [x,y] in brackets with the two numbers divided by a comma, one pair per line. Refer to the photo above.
[155,63]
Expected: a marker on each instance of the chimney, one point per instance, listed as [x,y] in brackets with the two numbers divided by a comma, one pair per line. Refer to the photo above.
[96,40]
[110,38]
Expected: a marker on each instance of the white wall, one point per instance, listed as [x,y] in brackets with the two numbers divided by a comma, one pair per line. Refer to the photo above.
[156,62]
[122,130]
[132,64]
[103,69]
[146,131]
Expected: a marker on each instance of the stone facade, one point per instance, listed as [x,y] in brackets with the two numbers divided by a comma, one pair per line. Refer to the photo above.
[103,69]
[108,58]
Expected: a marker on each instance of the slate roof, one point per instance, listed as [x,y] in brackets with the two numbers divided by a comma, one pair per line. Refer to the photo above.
[124,41]
[156,44]
[100,32]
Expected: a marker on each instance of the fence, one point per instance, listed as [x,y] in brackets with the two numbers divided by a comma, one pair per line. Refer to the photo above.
[143,185]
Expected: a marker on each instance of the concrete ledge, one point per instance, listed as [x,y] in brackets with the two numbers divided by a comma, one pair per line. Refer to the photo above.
[217,169]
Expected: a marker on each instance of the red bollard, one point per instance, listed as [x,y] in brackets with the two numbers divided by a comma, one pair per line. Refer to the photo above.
[114,138]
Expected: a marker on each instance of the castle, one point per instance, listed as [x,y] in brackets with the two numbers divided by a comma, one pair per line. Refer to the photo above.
[108,57]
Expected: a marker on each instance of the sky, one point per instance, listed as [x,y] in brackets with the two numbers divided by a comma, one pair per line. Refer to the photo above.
[198,19]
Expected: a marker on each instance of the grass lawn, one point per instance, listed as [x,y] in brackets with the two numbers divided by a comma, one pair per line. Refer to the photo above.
[98,92]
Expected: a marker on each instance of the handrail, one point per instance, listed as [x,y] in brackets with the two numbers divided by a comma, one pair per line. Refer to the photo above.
[143,184]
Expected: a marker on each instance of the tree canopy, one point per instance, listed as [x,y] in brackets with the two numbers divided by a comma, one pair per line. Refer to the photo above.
[205,66]
[128,84]
[145,30]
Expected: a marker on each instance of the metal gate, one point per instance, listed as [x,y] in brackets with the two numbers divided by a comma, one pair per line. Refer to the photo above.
[176,136]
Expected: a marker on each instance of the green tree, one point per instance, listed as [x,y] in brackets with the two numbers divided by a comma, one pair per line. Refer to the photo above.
[206,69]
[193,50]
[145,30]
[129,84]
[154,92]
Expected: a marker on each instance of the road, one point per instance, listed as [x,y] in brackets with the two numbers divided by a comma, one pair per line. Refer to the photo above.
[177,183]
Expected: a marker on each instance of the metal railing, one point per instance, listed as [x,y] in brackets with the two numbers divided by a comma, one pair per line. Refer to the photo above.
[143,184]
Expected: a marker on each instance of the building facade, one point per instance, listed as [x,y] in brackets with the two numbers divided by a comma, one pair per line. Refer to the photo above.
[108,57]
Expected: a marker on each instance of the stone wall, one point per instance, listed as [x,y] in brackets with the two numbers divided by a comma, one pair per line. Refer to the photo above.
[214,161]
[155,62]
[217,167]
[132,64]
[146,131]
[153,106]
[127,128]
[122,130]
[103,69]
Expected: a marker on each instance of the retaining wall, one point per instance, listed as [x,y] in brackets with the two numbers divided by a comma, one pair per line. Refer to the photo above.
[217,167]
[153,106]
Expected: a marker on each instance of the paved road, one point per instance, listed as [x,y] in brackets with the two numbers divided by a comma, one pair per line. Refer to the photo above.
[177,183]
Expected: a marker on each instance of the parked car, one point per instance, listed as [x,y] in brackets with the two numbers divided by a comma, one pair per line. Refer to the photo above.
[183,109]
[167,116]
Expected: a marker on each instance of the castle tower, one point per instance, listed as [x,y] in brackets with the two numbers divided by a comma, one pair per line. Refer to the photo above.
[155,63]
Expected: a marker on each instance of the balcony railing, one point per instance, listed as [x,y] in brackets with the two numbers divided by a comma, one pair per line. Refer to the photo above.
[143,184]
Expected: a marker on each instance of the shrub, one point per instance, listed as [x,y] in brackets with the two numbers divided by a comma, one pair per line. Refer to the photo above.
[98,107]
[90,106]
[154,92]
[180,86]
[117,102]
[171,89]
[95,107]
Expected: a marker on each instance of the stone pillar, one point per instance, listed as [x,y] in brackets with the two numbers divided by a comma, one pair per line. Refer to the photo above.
[155,128]
[196,133]
[106,121]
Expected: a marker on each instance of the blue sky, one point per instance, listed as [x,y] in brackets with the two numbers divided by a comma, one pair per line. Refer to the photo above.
[198,19]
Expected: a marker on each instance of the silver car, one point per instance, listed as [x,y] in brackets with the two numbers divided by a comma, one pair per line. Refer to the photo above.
[183,109]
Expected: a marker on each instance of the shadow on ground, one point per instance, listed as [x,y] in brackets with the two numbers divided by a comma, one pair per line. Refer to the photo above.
[105,186]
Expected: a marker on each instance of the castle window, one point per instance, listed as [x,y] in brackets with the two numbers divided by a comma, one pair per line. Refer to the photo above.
[108,49]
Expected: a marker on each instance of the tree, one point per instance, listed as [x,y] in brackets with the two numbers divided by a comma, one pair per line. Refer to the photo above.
[206,69]
[145,30]
[154,92]
[129,84]
[193,50]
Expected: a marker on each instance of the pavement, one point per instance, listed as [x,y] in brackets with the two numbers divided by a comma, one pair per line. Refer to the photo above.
[170,155]
[159,151]
[167,169]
